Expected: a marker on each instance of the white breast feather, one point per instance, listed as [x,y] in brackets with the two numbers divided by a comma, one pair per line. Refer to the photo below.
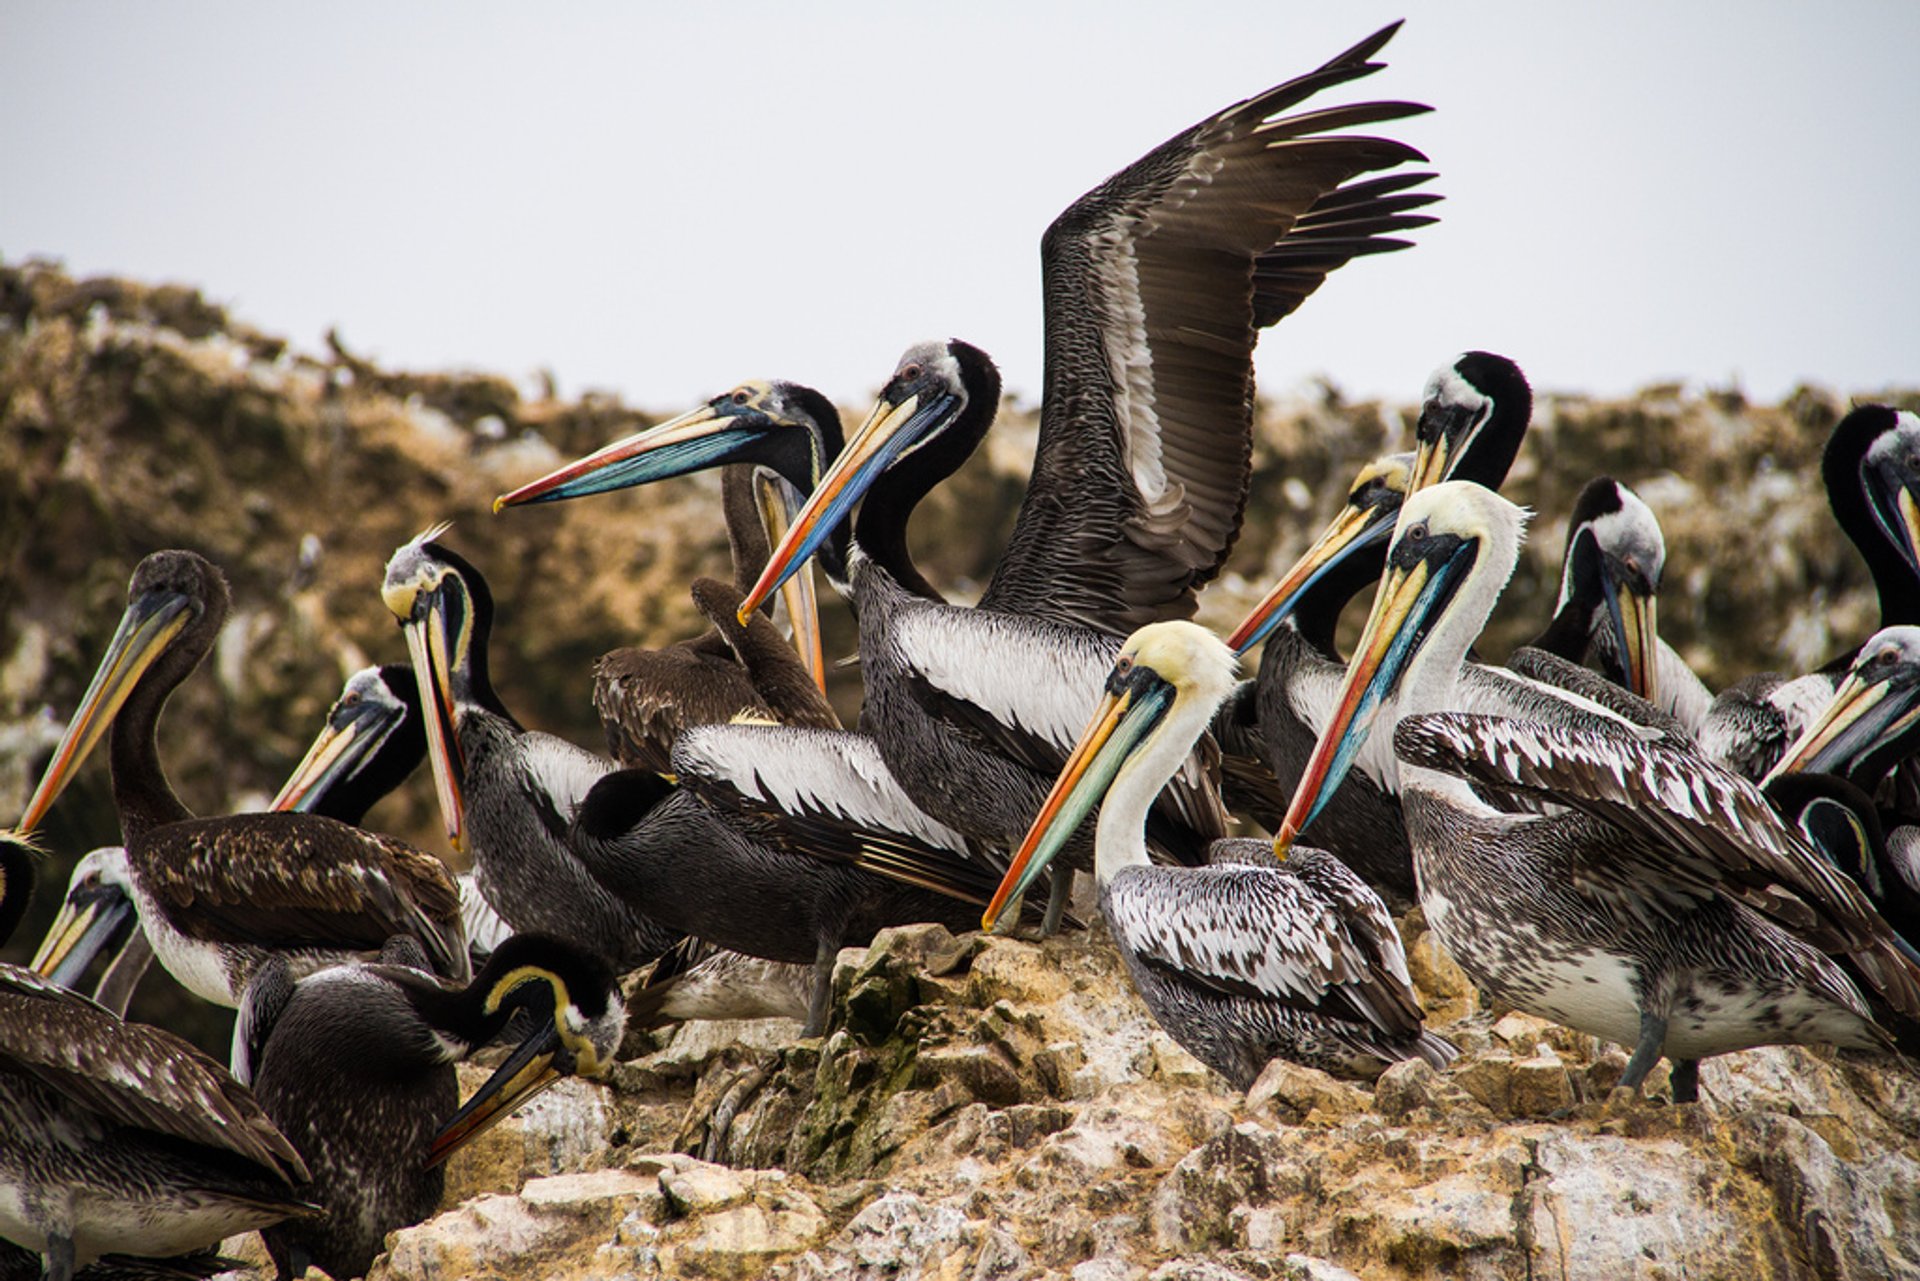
[1040,679]
[810,770]
[561,770]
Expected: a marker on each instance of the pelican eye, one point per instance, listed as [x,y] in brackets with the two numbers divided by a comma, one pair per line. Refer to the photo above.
[1415,535]
[1123,664]
[741,397]
[911,372]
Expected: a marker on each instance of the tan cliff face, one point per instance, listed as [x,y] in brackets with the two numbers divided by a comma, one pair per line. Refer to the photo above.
[980,1107]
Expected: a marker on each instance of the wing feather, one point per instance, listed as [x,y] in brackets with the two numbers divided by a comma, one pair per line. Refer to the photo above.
[1689,825]
[301,880]
[1270,933]
[133,1075]
[1156,284]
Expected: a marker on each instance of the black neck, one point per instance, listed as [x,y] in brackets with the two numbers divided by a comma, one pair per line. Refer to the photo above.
[405,747]
[141,793]
[16,885]
[881,526]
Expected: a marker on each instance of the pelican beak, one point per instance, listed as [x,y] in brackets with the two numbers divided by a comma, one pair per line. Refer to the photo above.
[779,503]
[1353,530]
[99,919]
[1411,599]
[890,431]
[701,438]
[541,1060]
[1136,701]
[146,629]
[351,736]
[438,625]
[1909,540]
[1632,612]
[1445,433]
[1863,714]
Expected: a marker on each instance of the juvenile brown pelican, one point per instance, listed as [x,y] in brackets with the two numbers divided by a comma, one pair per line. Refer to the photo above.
[1679,916]
[217,895]
[1239,963]
[120,1138]
[354,1063]
[1157,284]
[507,794]
[1609,583]
[646,697]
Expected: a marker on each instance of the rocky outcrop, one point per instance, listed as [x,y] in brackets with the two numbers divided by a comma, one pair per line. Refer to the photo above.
[981,1107]
[985,1107]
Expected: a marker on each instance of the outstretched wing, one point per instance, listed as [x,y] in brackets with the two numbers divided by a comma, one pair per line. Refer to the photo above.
[1157,283]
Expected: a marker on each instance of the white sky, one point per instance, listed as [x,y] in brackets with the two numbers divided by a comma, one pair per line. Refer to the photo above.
[663,200]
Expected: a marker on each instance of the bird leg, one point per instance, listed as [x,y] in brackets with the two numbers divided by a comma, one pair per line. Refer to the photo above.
[1686,1080]
[823,959]
[720,1124]
[1059,891]
[59,1258]
[1653,1034]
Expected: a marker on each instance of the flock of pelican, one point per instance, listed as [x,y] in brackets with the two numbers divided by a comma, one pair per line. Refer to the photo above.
[1595,837]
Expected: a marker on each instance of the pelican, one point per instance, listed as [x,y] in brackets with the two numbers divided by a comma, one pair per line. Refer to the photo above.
[1157,284]
[97,916]
[216,896]
[1473,417]
[506,792]
[120,1138]
[1609,583]
[646,697]
[1238,963]
[1867,734]
[1871,467]
[780,843]
[1679,916]
[354,1064]
[1842,822]
[373,739]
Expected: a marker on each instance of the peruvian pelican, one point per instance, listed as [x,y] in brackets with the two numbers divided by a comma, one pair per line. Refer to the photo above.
[1673,911]
[1239,963]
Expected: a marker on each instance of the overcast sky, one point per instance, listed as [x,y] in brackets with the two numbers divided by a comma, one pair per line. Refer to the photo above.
[663,200]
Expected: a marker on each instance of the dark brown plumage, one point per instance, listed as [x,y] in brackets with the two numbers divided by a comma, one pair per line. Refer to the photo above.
[217,894]
[646,697]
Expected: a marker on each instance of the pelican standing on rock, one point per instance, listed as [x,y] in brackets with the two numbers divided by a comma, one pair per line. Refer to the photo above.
[216,896]
[1157,283]
[1239,963]
[506,793]
[1654,926]
[354,1063]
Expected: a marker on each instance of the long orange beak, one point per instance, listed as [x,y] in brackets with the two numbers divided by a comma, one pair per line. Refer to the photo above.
[1350,531]
[147,627]
[1376,666]
[889,431]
